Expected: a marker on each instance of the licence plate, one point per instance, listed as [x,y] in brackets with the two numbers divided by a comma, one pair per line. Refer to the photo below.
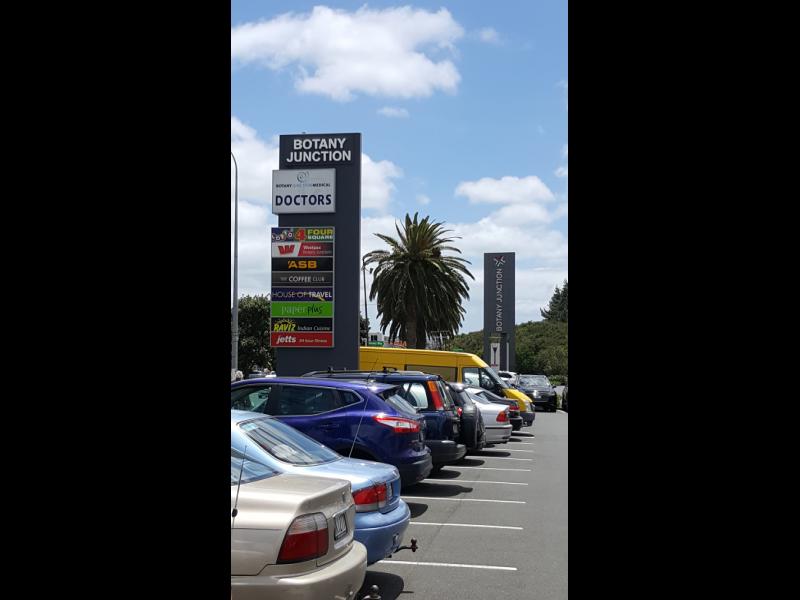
[339,526]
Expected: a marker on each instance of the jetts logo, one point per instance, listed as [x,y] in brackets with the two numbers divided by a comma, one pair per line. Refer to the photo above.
[284,325]
[499,261]
[286,339]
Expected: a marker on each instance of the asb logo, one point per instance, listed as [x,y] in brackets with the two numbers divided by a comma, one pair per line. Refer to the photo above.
[286,249]
[302,264]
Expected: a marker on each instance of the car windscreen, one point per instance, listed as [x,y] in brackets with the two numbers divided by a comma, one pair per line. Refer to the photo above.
[250,470]
[286,443]
[396,401]
[490,373]
[534,380]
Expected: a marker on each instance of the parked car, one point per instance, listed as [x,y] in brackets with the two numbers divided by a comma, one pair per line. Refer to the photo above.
[292,535]
[473,427]
[514,416]
[538,387]
[496,421]
[564,405]
[381,516]
[428,394]
[353,418]
[510,377]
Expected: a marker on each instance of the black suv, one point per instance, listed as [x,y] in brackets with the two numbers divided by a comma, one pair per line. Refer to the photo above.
[428,393]
[538,388]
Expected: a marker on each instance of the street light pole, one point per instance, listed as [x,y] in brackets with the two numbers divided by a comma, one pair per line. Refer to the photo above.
[235,323]
[364,271]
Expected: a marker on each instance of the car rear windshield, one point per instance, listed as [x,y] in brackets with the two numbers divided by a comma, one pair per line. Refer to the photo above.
[393,399]
[286,443]
[250,469]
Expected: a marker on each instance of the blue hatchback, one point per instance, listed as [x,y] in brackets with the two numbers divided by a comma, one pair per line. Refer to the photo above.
[354,418]
[428,394]
[381,516]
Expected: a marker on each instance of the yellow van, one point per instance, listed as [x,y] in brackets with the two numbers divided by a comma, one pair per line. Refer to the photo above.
[452,366]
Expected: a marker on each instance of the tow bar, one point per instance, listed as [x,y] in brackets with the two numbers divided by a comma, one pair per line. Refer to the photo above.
[412,547]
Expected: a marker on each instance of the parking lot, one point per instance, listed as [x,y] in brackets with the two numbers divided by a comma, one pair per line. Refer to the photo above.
[492,526]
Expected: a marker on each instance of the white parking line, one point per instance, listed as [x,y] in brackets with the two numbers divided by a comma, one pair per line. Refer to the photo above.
[501,450]
[486,468]
[502,457]
[436,564]
[463,499]
[466,525]
[468,481]
[517,444]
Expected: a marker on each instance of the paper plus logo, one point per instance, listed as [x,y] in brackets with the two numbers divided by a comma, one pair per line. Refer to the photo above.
[286,249]
[499,261]
[286,339]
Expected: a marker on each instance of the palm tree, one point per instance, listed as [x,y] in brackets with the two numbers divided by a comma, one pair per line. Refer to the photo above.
[418,288]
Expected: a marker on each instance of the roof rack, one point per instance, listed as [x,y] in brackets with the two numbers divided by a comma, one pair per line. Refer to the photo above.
[345,372]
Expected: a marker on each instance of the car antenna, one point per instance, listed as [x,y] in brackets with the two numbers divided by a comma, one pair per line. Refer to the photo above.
[235,510]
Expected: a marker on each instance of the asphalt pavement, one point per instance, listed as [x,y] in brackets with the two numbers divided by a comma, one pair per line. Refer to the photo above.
[493,525]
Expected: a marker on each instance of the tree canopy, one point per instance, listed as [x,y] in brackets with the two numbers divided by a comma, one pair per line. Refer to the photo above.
[419,289]
[557,309]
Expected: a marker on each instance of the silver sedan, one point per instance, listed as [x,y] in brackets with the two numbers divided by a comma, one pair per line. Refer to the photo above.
[495,417]
[292,536]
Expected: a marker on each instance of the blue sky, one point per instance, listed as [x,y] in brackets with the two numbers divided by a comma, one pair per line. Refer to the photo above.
[462,107]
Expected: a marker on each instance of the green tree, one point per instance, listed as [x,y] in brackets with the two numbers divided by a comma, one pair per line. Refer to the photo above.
[557,309]
[363,327]
[254,350]
[470,342]
[418,288]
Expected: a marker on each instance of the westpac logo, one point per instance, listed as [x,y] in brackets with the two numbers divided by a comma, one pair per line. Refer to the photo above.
[287,249]
[499,261]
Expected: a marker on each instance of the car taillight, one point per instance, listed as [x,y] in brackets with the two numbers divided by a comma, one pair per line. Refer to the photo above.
[459,411]
[371,498]
[503,416]
[437,398]
[307,538]
[398,424]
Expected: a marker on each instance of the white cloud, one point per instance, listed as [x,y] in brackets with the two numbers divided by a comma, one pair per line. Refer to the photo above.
[562,172]
[256,159]
[376,182]
[506,190]
[489,35]
[390,111]
[336,53]
[423,199]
